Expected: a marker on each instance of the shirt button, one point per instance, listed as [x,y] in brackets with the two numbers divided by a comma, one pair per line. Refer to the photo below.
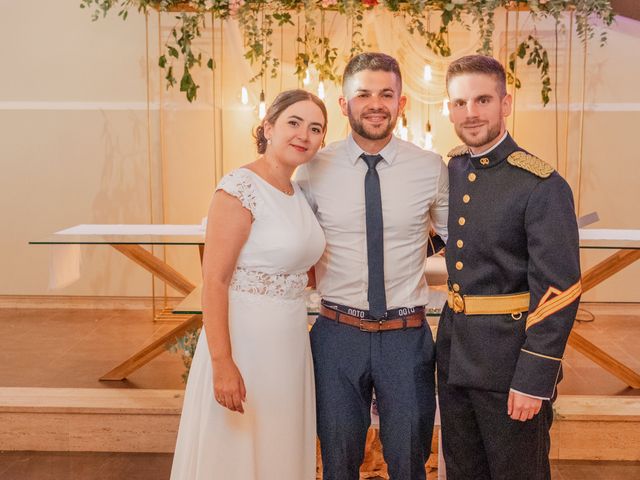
[460,243]
[472,177]
[466,199]
[456,287]
[484,161]
[459,265]
[461,220]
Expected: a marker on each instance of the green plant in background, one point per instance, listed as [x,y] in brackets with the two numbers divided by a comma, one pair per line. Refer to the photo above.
[186,347]
[537,56]
[258,17]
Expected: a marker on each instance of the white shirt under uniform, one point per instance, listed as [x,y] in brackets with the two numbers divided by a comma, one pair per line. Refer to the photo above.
[414,185]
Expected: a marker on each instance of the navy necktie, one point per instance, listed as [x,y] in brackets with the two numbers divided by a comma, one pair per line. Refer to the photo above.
[375,248]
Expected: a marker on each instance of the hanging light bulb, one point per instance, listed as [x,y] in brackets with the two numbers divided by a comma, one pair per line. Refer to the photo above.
[445,107]
[321,94]
[427,73]
[428,137]
[404,131]
[307,77]
[244,95]
[262,108]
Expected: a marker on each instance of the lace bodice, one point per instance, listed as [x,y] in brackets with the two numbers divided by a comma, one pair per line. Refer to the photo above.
[284,242]
[281,285]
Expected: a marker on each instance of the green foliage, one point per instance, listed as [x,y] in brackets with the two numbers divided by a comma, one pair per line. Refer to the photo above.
[186,347]
[537,56]
[257,19]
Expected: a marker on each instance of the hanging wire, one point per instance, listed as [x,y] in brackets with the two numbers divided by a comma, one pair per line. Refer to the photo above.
[506,37]
[323,53]
[581,142]
[298,46]
[213,99]
[515,76]
[569,68]
[220,163]
[263,77]
[281,54]
[555,97]
[149,166]
[163,156]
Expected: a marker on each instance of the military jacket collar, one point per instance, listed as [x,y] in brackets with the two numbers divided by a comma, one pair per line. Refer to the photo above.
[496,156]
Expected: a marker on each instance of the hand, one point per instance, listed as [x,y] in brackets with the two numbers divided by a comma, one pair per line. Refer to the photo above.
[228,385]
[523,408]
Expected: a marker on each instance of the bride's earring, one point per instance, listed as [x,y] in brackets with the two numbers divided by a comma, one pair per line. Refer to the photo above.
[268,141]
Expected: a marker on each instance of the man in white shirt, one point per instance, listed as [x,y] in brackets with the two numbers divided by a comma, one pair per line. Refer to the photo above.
[376,197]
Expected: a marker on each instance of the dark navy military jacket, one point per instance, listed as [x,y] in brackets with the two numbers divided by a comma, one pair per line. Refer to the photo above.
[512,229]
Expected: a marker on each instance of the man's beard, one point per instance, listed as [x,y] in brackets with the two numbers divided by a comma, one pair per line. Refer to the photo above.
[493,132]
[361,130]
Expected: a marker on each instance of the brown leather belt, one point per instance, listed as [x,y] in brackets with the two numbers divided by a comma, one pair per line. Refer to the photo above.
[413,320]
[514,303]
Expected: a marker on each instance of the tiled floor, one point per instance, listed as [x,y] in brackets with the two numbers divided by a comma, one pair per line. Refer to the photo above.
[84,466]
[615,329]
[74,347]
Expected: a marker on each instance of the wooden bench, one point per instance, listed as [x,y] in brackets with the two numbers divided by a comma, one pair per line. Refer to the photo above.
[133,420]
[89,419]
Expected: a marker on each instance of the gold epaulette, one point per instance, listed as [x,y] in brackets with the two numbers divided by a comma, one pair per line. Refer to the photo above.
[459,150]
[530,163]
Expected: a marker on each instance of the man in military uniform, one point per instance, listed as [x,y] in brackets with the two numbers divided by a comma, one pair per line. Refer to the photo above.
[514,287]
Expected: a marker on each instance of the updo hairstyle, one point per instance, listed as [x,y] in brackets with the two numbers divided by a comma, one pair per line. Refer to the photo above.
[283,101]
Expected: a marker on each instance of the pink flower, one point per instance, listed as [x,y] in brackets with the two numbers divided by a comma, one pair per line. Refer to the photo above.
[370,3]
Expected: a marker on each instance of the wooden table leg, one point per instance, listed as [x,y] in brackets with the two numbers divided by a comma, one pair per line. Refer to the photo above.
[609,266]
[591,278]
[172,277]
[152,350]
[602,358]
[156,266]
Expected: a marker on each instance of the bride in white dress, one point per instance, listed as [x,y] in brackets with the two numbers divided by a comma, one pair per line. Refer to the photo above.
[249,407]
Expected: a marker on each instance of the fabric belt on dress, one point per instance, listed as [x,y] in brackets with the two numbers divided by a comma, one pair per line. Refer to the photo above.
[514,303]
[396,319]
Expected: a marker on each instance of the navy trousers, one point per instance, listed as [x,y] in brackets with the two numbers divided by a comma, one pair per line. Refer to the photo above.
[479,440]
[348,365]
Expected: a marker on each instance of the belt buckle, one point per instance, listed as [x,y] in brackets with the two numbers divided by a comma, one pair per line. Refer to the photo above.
[365,322]
[458,303]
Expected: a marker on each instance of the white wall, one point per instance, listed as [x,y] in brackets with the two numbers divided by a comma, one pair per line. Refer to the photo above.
[78,145]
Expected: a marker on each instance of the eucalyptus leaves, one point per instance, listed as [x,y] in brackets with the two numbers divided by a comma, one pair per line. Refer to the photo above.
[258,18]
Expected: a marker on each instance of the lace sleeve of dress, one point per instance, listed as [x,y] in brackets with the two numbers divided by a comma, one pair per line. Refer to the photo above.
[241,186]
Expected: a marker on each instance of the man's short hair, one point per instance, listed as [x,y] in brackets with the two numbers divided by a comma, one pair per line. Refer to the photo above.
[478,64]
[371,61]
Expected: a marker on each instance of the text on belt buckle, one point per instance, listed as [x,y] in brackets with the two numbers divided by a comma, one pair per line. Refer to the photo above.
[458,303]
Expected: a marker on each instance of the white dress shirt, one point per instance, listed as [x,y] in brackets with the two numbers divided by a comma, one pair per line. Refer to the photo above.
[414,185]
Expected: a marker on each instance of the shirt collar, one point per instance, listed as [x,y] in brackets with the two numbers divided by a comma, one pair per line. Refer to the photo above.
[496,154]
[388,153]
[486,152]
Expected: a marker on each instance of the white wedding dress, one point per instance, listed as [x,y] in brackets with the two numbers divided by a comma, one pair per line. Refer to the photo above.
[275,439]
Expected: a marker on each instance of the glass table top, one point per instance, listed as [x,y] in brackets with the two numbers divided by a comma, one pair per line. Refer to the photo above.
[590,238]
[72,239]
